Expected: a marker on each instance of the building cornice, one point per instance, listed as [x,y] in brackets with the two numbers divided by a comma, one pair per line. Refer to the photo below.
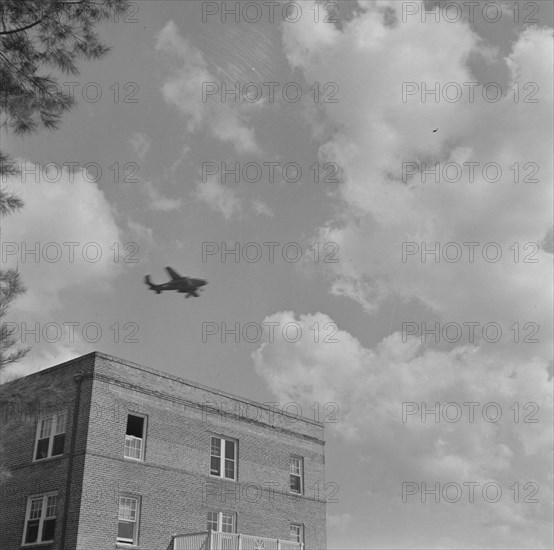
[206,409]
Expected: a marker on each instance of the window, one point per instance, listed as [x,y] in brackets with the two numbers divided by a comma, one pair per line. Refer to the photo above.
[127,528]
[223,522]
[50,436]
[134,437]
[296,532]
[296,474]
[223,458]
[40,519]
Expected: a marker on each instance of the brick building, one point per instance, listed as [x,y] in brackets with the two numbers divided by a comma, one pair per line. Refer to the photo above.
[131,457]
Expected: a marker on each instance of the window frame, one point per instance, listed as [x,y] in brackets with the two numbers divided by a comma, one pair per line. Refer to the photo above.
[42,518]
[299,475]
[222,457]
[136,522]
[55,417]
[142,439]
[220,514]
[300,532]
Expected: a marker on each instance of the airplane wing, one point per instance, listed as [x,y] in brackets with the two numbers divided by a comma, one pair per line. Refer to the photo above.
[173,274]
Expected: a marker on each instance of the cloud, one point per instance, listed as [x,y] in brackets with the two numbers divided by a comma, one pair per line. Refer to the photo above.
[370,386]
[182,157]
[157,201]
[228,201]
[65,236]
[184,90]
[140,143]
[262,209]
[373,132]
[376,132]
[219,198]
[142,233]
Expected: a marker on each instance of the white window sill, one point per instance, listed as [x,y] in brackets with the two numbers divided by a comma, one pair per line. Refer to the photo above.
[222,478]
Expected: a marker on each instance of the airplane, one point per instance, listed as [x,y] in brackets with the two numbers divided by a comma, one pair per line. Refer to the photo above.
[186,285]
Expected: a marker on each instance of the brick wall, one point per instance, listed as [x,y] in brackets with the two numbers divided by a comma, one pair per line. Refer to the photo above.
[52,390]
[173,483]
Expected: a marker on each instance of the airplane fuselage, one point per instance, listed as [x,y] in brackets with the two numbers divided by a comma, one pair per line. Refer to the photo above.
[186,285]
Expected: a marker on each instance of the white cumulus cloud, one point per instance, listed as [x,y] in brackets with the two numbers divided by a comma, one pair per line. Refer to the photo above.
[65,236]
[185,87]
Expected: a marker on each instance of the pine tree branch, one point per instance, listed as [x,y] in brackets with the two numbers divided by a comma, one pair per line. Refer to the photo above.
[13,31]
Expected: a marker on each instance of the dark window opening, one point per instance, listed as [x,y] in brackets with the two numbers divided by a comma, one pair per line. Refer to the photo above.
[57,448]
[42,448]
[295,484]
[125,531]
[48,529]
[32,531]
[135,425]
[214,466]
[230,450]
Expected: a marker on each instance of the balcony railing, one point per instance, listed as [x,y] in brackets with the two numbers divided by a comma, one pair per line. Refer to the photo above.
[214,540]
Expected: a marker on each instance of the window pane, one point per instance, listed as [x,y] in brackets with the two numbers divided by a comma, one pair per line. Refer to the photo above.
[296,533]
[295,466]
[216,446]
[48,529]
[61,422]
[229,449]
[32,531]
[42,448]
[125,531]
[46,428]
[227,523]
[215,466]
[57,447]
[133,447]
[295,474]
[51,506]
[127,508]
[230,469]
[36,508]
[212,521]
[226,528]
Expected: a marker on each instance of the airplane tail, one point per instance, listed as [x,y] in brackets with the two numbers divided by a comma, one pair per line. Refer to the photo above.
[151,285]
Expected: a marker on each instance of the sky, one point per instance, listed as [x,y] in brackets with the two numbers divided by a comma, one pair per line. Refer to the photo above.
[367,187]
